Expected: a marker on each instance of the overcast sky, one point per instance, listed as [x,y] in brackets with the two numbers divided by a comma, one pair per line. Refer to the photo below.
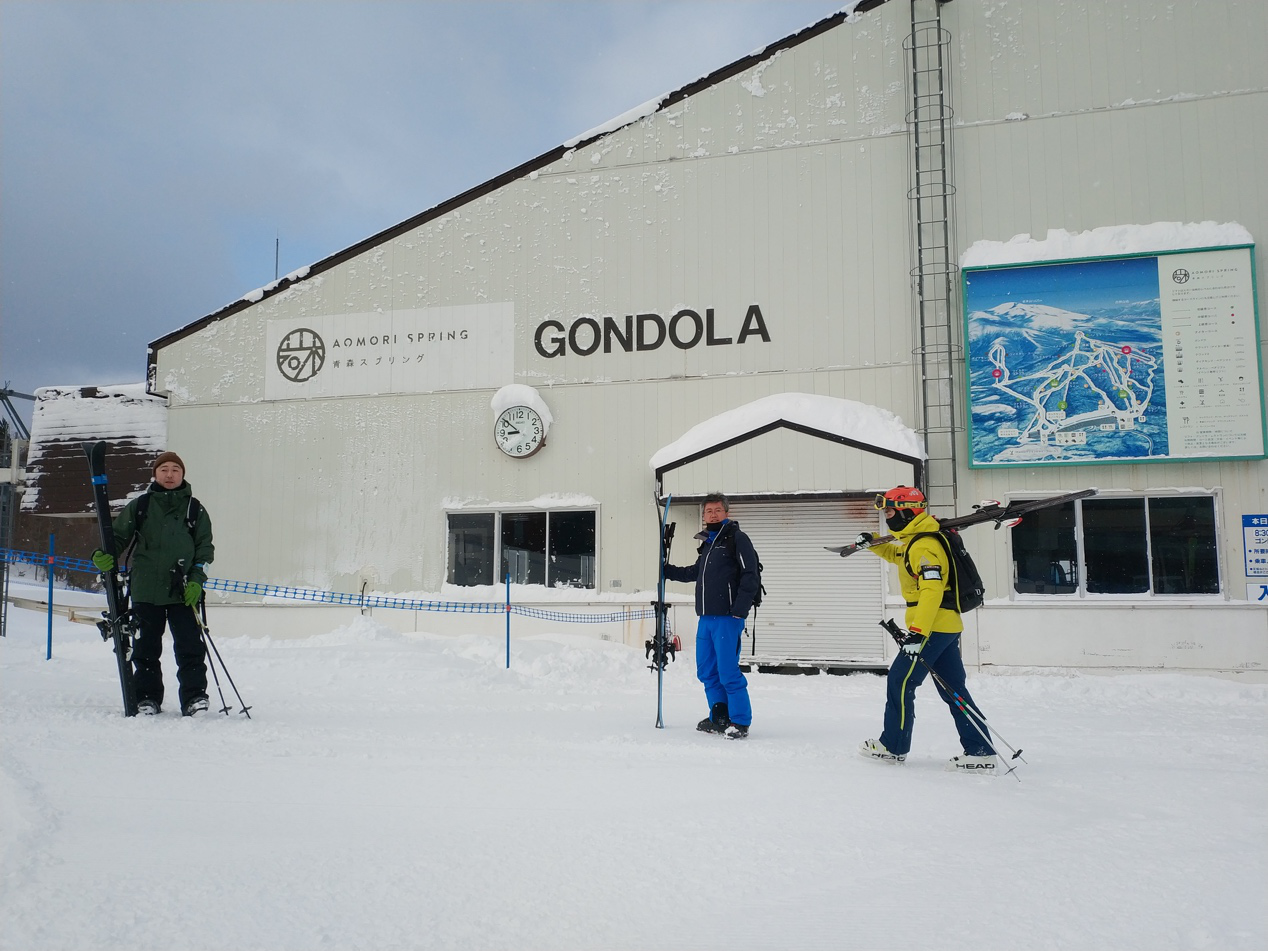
[150,153]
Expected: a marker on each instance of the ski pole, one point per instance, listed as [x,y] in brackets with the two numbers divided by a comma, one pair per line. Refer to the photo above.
[207,634]
[202,632]
[971,713]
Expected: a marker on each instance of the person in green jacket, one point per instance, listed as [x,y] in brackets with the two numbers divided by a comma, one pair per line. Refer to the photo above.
[168,569]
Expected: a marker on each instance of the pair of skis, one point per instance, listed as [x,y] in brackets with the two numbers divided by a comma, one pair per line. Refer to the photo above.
[1001,515]
[663,646]
[118,623]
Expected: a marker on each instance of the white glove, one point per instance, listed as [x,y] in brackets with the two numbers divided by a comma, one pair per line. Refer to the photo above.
[913,644]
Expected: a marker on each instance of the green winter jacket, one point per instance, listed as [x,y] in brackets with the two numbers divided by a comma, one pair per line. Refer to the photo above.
[164,543]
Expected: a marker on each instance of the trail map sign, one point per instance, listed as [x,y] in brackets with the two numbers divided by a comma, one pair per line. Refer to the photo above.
[1129,359]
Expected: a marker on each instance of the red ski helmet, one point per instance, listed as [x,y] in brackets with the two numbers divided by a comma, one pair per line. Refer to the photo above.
[902,497]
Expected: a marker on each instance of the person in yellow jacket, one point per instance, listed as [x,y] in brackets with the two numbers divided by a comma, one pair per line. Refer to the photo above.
[934,626]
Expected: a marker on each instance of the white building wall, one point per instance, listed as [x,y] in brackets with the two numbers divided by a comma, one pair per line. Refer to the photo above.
[783,186]
[1081,115]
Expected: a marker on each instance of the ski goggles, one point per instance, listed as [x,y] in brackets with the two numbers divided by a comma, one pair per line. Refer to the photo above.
[883,502]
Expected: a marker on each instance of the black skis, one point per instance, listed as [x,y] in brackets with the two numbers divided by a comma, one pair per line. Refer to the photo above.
[987,512]
[662,647]
[117,622]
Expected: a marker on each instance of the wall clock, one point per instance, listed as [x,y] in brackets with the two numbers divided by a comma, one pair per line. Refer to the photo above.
[519,431]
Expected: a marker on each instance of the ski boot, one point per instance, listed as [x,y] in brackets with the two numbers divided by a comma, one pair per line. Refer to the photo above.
[717,721]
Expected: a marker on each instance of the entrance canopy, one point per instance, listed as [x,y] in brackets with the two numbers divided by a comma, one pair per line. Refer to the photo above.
[870,429]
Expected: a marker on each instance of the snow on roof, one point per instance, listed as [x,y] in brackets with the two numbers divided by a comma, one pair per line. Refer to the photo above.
[857,421]
[132,421]
[122,411]
[1110,241]
[653,105]
[617,122]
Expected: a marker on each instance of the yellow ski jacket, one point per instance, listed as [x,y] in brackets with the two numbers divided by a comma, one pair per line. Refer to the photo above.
[923,590]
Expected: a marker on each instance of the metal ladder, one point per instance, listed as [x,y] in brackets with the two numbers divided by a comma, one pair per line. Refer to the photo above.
[933,277]
[8,509]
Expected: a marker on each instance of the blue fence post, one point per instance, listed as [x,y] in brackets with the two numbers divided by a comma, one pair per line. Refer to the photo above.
[52,558]
[508,620]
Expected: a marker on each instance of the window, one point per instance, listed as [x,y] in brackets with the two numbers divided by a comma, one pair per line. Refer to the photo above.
[556,549]
[1045,552]
[524,547]
[471,549]
[1164,545]
[572,549]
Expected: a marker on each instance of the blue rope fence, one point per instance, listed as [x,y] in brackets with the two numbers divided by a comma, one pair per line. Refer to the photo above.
[314,595]
[36,558]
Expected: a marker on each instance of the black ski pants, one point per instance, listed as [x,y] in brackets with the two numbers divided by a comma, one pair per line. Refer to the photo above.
[187,645]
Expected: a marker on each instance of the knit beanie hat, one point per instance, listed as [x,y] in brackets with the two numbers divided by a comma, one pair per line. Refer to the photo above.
[168,456]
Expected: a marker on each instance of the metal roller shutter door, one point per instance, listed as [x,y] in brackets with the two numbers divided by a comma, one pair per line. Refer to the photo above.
[818,608]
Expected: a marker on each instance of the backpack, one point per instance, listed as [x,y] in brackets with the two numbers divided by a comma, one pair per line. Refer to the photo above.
[761,588]
[966,590]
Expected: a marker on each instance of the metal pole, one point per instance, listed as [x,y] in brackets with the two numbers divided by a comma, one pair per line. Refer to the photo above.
[52,557]
[508,620]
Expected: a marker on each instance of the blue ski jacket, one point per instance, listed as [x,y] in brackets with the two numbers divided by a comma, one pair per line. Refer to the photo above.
[725,573]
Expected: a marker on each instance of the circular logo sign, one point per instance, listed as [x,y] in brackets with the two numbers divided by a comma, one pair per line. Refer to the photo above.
[301,355]
[1180,275]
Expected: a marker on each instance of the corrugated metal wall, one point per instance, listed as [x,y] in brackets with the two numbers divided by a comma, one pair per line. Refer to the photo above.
[817,606]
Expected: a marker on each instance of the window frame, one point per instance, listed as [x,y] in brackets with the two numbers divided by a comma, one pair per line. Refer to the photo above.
[497,511]
[1081,593]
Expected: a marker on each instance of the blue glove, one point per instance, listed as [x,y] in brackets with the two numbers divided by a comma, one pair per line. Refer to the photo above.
[102,561]
[863,538]
[913,644]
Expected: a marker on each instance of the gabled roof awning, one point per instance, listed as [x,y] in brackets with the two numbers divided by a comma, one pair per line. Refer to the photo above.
[858,425]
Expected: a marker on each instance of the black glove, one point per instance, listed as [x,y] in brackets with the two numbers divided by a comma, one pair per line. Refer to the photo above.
[913,644]
[863,538]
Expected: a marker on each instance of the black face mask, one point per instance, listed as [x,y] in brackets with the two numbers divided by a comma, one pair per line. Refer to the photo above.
[900,519]
[713,526]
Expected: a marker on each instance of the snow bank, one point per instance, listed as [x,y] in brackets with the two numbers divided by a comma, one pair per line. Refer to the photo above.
[397,791]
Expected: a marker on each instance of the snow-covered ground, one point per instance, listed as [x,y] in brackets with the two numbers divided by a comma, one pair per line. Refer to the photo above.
[407,791]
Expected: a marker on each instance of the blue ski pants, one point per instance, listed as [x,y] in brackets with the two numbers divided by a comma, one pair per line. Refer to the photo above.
[942,653]
[718,665]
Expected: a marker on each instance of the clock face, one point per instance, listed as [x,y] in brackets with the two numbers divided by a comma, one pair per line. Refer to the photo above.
[519,431]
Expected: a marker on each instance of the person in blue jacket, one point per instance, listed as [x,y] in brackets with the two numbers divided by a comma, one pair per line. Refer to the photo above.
[727,582]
